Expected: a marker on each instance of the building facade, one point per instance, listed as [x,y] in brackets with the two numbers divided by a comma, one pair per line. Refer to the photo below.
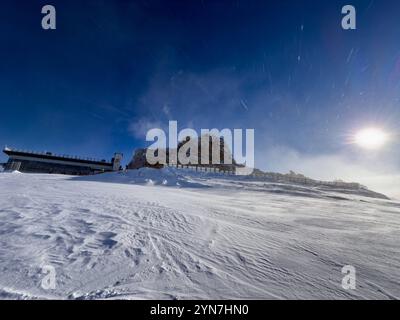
[47,162]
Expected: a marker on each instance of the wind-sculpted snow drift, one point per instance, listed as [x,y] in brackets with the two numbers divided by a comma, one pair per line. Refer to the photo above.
[177,234]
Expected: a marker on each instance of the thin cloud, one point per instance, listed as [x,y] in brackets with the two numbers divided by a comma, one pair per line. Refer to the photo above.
[138,128]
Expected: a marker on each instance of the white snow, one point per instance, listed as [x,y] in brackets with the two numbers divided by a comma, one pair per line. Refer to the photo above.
[174,234]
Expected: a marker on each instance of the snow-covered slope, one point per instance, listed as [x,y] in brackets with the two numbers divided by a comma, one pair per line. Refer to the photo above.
[178,235]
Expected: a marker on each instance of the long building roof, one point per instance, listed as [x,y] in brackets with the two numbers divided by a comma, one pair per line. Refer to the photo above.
[50,156]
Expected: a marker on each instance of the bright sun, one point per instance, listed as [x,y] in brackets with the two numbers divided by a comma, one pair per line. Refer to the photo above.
[371,138]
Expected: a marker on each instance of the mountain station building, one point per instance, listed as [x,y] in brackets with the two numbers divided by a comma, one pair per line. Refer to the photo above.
[47,162]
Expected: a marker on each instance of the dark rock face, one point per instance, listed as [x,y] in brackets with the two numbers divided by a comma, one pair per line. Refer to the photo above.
[213,144]
[139,160]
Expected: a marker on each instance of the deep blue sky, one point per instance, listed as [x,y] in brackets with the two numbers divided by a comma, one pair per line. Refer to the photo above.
[115,68]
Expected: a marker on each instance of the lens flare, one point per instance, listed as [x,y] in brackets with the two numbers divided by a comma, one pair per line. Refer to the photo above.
[371,138]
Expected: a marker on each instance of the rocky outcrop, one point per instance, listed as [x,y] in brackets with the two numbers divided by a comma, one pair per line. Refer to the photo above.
[214,144]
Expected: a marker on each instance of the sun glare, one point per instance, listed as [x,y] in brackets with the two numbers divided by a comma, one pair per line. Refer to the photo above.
[371,138]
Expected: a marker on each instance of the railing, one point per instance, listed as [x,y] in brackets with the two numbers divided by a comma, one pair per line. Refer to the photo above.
[46,153]
[202,169]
